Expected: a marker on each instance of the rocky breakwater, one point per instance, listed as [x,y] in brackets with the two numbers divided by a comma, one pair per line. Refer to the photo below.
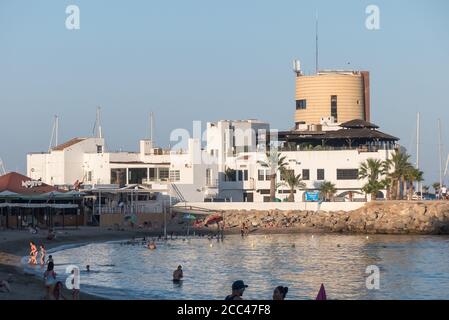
[391,217]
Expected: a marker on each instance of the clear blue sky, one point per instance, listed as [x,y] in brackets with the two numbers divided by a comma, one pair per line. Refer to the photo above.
[210,60]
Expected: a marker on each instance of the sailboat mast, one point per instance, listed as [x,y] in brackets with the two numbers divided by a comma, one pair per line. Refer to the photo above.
[417,149]
[440,157]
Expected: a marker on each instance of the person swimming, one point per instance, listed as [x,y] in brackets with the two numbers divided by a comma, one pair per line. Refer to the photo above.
[280,292]
[178,274]
[152,245]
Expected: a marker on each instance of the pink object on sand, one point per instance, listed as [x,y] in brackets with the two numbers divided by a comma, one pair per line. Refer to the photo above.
[321,294]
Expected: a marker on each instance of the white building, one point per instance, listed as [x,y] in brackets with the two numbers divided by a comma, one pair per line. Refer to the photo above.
[228,168]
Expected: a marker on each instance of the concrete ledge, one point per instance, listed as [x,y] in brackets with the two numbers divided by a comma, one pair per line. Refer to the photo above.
[282,206]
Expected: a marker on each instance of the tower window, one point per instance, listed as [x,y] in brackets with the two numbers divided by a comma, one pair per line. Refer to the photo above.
[334,107]
[301,104]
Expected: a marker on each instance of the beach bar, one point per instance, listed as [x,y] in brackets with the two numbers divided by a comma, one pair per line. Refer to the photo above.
[28,203]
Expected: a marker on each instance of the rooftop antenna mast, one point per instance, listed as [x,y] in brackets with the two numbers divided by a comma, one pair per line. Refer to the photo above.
[98,132]
[151,126]
[54,133]
[316,42]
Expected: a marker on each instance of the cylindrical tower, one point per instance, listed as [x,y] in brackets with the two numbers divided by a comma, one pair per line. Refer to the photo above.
[343,95]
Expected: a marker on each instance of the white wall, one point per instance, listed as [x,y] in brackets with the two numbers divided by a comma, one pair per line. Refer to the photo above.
[284,206]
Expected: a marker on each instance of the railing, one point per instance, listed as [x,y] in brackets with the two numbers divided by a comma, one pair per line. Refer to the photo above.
[330,148]
[127,209]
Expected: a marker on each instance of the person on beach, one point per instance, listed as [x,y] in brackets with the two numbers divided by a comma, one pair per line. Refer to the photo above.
[279,293]
[242,229]
[50,259]
[178,274]
[238,287]
[88,268]
[42,253]
[57,292]
[33,253]
[50,280]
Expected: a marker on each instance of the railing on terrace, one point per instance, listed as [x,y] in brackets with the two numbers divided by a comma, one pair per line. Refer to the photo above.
[331,148]
[128,209]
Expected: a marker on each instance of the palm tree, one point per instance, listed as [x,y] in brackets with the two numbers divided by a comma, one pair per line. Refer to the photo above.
[425,189]
[412,175]
[373,187]
[371,169]
[274,162]
[436,187]
[397,167]
[327,189]
[293,182]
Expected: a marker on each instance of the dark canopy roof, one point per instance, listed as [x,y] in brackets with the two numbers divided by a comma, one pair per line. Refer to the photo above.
[357,124]
[364,133]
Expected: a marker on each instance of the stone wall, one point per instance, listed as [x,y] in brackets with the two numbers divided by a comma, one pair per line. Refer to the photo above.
[392,217]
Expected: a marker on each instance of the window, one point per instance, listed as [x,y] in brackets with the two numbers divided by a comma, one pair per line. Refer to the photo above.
[334,107]
[267,199]
[163,174]
[243,175]
[152,176]
[208,177]
[118,176]
[347,174]
[174,175]
[305,174]
[89,175]
[301,104]
[136,175]
[320,174]
[230,175]
[264,191]
[261,175]
[99,149]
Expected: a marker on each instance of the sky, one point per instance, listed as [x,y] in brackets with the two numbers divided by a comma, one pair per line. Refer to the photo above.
[210,60]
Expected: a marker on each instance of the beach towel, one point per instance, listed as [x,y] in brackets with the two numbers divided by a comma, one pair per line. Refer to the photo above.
[321,294]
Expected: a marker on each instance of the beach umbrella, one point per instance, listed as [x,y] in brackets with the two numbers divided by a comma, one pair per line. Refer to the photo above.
[189,216]
[214,219]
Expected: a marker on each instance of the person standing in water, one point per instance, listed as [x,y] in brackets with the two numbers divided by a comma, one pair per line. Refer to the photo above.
[33,253]
[42,253]
[280,292]
[178,274]
[238,287]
